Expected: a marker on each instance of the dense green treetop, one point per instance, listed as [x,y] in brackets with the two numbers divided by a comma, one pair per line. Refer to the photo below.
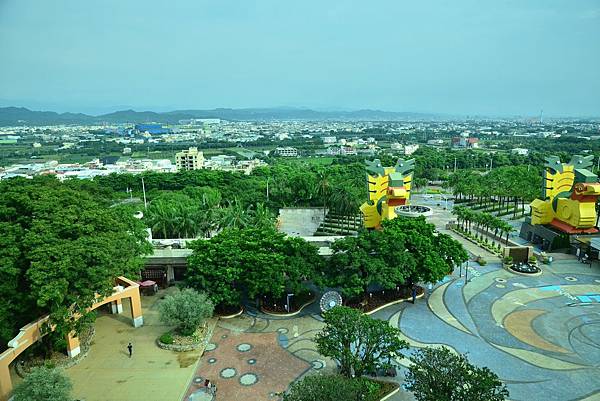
[438,374]
[360,344]
[405,251]
[61,248]
[254,261]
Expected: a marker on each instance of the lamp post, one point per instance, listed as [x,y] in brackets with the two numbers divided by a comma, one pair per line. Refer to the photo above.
[144,191]
[467,273]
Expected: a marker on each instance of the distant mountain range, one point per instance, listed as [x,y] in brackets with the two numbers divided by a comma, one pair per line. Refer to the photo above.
[10,116]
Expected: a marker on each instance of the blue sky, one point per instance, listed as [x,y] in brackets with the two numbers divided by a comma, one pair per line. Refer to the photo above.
[464,56]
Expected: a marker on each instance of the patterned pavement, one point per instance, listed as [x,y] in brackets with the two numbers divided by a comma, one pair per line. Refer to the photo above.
[541,335]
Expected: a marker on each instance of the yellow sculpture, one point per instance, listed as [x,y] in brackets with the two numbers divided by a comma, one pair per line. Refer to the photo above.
[388,187]
[570,192]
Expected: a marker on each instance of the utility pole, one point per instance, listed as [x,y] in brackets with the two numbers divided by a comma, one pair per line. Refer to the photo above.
[144,191]
[455,164]
[268,189]
[491,162]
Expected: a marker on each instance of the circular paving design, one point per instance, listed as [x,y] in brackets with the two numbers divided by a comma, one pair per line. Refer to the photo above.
[251,361]
[224,336]
[282,330]
[198,379]
[228,373]
[570,278]
[500,280]
[210,347]
[212,360]
[248,379]
[317,364]
[244,347]
[500,286]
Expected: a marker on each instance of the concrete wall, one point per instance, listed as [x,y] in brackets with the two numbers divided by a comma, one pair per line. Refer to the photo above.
[300,222]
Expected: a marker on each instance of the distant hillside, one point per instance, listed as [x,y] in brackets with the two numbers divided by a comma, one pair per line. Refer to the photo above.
[22,116]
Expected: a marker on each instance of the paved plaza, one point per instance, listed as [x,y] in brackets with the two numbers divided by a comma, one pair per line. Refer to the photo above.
[540,334]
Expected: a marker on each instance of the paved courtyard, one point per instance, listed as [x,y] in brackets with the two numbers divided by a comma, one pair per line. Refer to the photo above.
[108,374]
[541,335]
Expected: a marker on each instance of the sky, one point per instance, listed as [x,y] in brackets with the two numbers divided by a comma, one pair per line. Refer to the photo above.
[467,57]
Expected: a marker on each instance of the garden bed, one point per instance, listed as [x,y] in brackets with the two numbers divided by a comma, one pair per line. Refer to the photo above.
[57,359]
[527,269]
[377,299]
[175,342]
[297,303]
[228,311]
[386,389]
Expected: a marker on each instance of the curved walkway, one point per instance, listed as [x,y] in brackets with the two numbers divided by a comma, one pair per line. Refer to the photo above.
[541,335]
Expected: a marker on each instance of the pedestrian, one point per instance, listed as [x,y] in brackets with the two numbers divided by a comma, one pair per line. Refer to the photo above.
[207,383]
[414,294]
[130,349]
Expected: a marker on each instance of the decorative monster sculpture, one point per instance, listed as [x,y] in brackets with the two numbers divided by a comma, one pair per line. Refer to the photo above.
[388,187]
[569,196]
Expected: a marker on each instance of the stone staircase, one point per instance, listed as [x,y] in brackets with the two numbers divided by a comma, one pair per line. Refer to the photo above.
[335,224]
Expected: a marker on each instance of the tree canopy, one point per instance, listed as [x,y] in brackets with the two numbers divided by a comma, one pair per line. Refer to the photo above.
[44,384]
[437,374]
[253,261]
[61,248]
[404,252]
[187,309]
[357,342]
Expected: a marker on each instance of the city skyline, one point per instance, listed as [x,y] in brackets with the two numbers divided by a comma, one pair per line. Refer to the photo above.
[509,59]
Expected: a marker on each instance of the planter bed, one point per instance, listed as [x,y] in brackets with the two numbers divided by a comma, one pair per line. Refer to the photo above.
[228,311]
[297,303]
[526,270]
[382,298]
[57,359]
[387,388]
[183,343]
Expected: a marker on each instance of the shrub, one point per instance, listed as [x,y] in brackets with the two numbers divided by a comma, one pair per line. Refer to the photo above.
[188,309]
[481,261]
[332,388]
[438,374]
[166,338]
[532,259]
[508,260]
[44,384]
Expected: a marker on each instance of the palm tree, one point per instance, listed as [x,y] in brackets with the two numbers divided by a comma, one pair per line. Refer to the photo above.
[323,187]
[262,216]
[506,229]
[186,221]
[161,219]
[235,216]
[459,212]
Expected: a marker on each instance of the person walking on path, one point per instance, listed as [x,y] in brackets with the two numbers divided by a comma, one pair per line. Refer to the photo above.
[130,349]
[414,293]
